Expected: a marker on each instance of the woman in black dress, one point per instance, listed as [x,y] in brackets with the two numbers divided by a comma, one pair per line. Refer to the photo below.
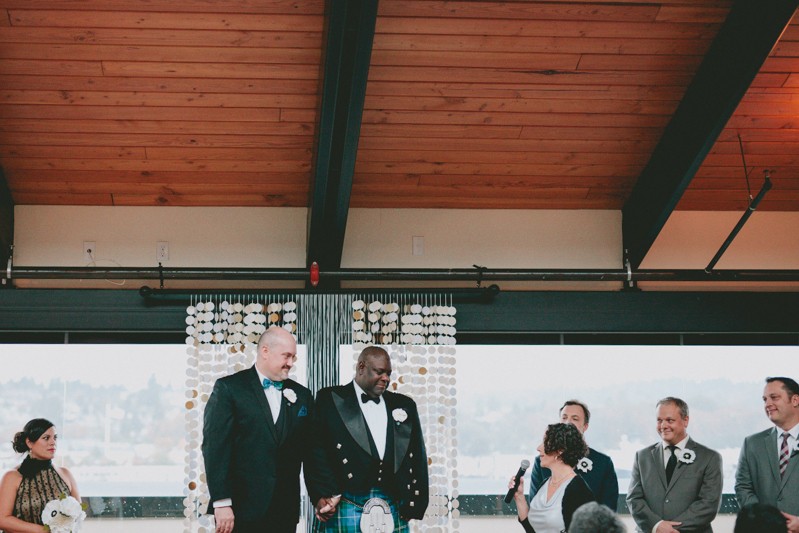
[26,490]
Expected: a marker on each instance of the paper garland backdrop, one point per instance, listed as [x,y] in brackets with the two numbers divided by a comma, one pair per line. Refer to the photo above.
[418,331]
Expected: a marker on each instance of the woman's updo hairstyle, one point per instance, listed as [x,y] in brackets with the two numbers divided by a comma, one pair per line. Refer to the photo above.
[31,432]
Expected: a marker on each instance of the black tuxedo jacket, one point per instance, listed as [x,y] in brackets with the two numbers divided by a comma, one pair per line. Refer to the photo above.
[248,457]
[343,457]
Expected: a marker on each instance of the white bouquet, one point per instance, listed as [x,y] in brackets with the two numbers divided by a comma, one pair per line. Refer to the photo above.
[64,515]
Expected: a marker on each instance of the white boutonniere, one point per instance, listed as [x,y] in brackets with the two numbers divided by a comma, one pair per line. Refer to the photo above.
[585,465]
[686,456]
[290,395]
[399,415]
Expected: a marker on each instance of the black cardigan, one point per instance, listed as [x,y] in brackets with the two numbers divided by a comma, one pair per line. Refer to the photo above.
[576,494]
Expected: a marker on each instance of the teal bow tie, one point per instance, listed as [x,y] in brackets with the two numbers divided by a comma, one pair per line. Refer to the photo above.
[276,384]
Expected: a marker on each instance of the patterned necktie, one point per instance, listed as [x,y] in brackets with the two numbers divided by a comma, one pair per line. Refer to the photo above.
[672,463]
[269,383]
[784,453]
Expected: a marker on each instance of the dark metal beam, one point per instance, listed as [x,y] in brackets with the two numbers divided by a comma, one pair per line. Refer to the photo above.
[6,224]
[350,32]
[744,42]
[508,312]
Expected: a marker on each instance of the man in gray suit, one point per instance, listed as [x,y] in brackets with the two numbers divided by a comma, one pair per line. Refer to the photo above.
[676,484]
[768,468]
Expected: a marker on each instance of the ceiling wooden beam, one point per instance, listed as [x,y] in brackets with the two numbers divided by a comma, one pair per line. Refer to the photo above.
[348,49]
[6,223]
[743,43]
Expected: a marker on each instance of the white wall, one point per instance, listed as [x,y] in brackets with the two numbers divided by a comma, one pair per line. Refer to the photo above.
[382,238]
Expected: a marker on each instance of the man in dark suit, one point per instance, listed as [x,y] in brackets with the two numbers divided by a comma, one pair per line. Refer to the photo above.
[676,484]
[256,432]
[768,468]
[368,445]
[596,469]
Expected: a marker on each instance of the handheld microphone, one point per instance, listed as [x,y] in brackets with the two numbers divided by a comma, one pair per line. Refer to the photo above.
[522,469]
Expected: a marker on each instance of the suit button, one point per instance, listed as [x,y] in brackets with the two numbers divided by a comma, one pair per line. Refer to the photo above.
[416,492]
[349,476]
[667,501]
[380,479]
[411,454]
[410,470]
[414,481]
[344,460]
[411,504]
[338,446]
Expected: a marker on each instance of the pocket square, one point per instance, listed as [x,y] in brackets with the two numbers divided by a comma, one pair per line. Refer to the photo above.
[303,411]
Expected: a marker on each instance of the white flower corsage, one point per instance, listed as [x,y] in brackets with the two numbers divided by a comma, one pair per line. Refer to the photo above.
[686,456]
[585,465]
[399,415]
[290,395]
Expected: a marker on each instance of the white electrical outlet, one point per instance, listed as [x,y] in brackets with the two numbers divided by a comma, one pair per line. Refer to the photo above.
[162,251]
[89,251]
[417,248]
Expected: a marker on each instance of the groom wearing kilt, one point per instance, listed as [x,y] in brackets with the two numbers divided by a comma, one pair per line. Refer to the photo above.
[368,467]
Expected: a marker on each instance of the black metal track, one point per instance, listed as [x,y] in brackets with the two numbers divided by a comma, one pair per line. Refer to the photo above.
[743,43]
[347,54]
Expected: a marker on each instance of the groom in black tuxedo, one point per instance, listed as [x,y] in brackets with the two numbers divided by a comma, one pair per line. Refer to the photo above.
[369,444]
[255,436]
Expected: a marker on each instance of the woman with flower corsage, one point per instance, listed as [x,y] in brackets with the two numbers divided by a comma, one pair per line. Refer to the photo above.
[26,490]
[552,507]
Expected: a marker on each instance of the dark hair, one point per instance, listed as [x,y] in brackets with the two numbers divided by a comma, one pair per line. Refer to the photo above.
[790,386]
[584,407]
[566,440]
[593,517]
[32,431]
[372,351]
[681,405]
[760,518]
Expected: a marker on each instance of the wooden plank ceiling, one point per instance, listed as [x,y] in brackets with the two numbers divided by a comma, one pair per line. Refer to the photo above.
[537,105]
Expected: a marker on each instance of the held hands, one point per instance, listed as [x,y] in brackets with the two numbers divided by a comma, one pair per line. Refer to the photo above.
[224,519]
[667,527]
[792,522]
[326,507]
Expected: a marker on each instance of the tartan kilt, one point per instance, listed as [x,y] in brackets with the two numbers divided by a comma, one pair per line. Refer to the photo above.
[348,516]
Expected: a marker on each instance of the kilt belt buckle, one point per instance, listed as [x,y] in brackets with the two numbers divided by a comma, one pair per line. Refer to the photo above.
[376,517]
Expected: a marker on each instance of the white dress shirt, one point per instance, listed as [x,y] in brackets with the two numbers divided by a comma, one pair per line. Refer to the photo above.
[376,415]
[794,432]
[273,396]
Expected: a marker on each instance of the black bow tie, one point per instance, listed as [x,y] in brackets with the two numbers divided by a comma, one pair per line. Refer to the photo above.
[366,398]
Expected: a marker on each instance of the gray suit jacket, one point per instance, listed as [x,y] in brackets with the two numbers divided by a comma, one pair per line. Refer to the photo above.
[693,497]
[758,476]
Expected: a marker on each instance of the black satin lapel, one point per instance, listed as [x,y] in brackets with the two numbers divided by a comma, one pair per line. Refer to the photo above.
[351,415]
[402,432]
[258,390]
